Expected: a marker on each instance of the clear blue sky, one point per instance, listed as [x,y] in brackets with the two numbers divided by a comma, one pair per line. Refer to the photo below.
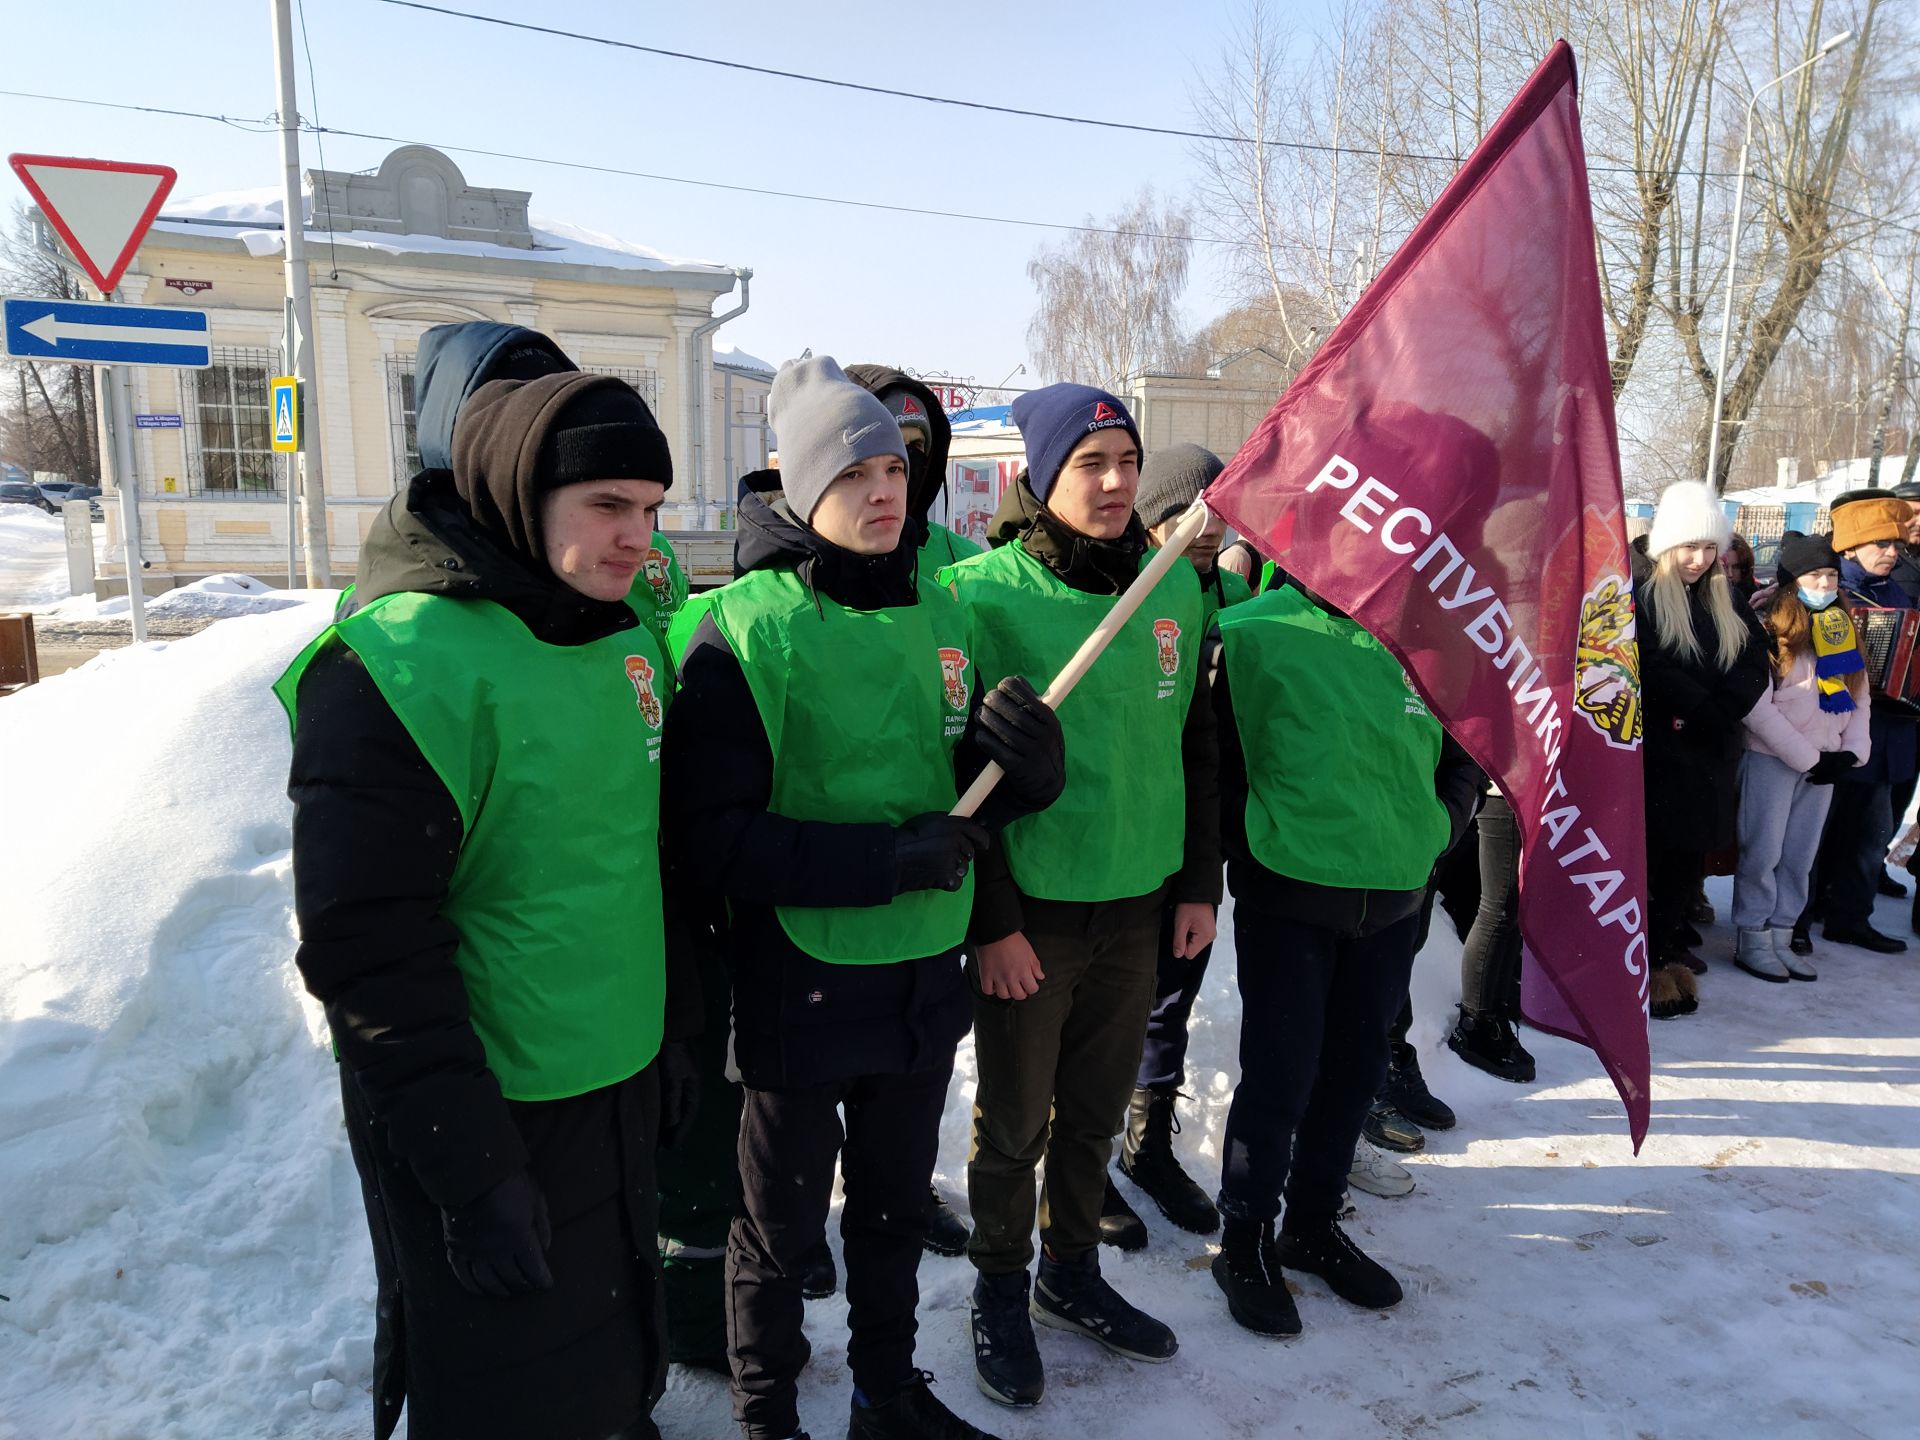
[936,294]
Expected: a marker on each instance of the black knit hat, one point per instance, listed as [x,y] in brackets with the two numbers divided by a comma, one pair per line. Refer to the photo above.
[1172,479]
[1803,554]
[605,432]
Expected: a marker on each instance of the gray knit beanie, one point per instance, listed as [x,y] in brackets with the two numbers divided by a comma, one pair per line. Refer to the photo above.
[1171,480]
[825,424]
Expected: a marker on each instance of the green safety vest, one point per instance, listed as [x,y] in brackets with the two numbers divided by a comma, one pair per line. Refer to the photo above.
[944,547]
[1220,589]
[1340,750]
[1119,828]
[552,754]
[863,711]
[660,588]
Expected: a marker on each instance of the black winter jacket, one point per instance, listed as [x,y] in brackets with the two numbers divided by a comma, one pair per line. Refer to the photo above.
[376,837]
[1692,714]
[1458,783]
[798,1020]
[1103,567]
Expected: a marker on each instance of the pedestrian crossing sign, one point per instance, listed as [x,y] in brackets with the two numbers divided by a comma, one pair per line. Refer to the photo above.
[286,413]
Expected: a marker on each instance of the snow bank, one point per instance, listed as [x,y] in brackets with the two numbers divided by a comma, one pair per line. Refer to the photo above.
[215,597]
[181,1237]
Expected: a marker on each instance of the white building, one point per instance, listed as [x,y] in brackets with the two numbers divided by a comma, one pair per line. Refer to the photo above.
[391,254]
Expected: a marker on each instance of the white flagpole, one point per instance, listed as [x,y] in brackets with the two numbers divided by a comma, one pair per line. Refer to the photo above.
[1191,524]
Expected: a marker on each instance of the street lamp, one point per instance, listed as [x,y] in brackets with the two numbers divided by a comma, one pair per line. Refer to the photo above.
[1827,47]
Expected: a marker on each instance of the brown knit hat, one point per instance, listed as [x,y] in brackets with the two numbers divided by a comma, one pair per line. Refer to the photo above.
[1860,521]
[514,440]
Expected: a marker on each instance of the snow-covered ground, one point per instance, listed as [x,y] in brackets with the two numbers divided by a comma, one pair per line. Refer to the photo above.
[33,558]
[182,1241]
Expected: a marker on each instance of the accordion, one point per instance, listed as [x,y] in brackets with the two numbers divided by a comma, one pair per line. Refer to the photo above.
[1887,639]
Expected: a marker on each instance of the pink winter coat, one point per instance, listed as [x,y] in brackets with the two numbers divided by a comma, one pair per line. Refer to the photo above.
[1789,724]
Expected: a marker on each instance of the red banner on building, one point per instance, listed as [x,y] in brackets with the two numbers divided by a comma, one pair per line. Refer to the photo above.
[1446,471]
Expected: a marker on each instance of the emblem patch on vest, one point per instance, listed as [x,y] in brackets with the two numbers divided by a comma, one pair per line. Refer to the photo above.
[1166,637]
[654,567]
[640,672]
[953,665]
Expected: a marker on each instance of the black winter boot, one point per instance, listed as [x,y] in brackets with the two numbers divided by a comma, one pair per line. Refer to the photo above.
[1406,1090]
[1120,1225]
[1490,1043]
[1072,1295]
[819,1277]
[1349,1272]
[910,1414]
[1147,1159]
[1006,1362]
[1257,1294]
[947,1233]
[1386,1127]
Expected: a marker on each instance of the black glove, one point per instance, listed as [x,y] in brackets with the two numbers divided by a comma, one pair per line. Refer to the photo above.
[679,1092]
[932,851]
[1019,732]
[1831,766]
[497,1243]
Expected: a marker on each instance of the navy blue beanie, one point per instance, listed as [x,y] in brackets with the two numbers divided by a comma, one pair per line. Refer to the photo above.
[1054,419]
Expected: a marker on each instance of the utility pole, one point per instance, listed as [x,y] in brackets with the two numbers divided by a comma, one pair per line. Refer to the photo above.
[299,301]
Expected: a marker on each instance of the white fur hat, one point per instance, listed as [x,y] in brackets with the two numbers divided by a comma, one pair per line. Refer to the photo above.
[1688,512]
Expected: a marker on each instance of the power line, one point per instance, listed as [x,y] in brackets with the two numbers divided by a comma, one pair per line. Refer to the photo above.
[1139,129]
[313,89]
[250,125]
[267,124]
[319,130]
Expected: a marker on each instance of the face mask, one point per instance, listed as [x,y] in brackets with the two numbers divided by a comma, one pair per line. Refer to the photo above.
[1817,599]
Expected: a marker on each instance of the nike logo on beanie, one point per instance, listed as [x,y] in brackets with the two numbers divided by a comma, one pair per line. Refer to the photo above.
[853,437]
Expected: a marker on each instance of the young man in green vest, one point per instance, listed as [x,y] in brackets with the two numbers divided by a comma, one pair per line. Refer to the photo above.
[1068,912]
[927,434]
[829,715]
[1338,791]
[1170,481]
[477,877]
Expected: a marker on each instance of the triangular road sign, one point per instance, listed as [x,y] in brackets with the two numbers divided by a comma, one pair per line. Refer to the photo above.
[101,208]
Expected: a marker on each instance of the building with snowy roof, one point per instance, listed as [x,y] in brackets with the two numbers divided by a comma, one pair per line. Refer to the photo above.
[392,253]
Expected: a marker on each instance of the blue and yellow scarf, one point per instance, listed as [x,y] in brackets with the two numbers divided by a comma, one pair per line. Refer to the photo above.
[1837,655]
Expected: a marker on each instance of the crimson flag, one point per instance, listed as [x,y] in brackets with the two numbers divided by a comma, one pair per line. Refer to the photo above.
[1446,471]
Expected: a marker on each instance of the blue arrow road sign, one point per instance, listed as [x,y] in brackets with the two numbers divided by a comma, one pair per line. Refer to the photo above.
[88,333]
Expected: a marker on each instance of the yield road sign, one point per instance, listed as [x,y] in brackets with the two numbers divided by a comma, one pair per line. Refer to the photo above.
[101,208]
[86,332]
[286,413]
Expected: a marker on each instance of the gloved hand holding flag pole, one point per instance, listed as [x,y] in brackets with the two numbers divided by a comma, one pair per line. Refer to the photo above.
[1191,524]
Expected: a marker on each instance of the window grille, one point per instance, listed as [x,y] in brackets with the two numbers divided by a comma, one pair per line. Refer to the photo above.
[229,432]
[403,425]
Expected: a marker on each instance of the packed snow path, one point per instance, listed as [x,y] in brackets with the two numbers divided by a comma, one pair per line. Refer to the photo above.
[33,557]
[182,1241]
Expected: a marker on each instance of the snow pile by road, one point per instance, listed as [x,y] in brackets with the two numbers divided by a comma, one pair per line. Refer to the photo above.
[182,1237]
[215,597]
[33,557]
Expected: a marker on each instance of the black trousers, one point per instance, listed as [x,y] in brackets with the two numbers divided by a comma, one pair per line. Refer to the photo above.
[1315,1009]
[1853,851]
[1673,879]
[577,1362]
[789,1141]
[1176,985]
[1490,960]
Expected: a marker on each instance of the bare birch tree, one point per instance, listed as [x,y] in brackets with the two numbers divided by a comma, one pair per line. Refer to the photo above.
[1109,298]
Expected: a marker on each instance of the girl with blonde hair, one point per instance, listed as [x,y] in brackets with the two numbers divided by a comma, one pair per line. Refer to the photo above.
[1703,667]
